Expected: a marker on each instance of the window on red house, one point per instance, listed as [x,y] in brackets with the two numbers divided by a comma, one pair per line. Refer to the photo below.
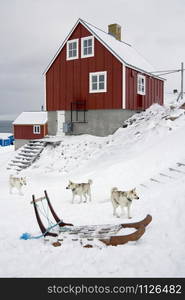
[36,129]
[141,84]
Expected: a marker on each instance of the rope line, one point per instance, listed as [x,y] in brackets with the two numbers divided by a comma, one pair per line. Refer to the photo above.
[51,225]
[28,236]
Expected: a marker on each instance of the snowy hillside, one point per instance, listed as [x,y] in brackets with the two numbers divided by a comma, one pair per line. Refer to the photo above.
[148,154]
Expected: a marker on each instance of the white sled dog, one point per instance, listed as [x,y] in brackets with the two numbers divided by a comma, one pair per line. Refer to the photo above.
[80,189]
[16,182]
[122,199]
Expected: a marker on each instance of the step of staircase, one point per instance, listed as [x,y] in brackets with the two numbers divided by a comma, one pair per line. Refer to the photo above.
[23,166]
[39,142]
[26,154]
[14,168]
[20,161]
[33,146]
[29,150]
[24,157]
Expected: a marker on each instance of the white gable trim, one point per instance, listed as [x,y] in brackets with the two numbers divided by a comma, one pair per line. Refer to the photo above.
[123,86]
[61,47]
[45,103]
[80,21]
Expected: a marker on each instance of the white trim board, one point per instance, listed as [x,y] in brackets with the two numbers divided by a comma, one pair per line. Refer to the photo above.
[123,86]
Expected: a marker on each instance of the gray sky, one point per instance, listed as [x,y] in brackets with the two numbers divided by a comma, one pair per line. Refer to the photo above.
[31,32]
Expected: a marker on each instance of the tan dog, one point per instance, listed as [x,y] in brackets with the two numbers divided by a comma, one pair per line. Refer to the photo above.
[80,189]
[16,182]
[122,199]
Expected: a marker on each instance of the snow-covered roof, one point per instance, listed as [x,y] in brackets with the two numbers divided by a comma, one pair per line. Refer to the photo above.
[28,118]
[126,53]
[5,135]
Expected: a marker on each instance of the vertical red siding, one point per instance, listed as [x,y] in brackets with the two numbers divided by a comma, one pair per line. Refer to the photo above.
[68,81]
[154,91]
[26,132]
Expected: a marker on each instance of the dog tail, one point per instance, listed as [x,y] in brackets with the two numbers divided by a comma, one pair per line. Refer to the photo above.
[114,189]
[90,181]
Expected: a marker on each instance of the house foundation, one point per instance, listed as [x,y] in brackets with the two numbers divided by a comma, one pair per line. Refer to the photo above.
[100,122]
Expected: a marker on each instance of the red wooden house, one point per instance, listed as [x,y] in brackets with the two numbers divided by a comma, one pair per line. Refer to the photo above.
[29,126]
[96,81]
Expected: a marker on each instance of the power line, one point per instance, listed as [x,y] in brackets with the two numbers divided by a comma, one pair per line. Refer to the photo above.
[166,71]
[169,72]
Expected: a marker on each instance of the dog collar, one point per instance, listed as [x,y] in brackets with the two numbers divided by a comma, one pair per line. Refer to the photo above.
[73,189]
[129,199]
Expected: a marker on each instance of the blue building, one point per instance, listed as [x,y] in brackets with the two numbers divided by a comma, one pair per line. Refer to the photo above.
[6,139]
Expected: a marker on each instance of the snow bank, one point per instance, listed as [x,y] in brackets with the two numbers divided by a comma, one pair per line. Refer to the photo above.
[146,155]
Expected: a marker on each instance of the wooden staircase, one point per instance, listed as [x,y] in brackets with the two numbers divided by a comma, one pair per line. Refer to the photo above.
[26,155]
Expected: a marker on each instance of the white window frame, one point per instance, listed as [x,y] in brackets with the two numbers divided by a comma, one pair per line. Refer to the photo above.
[82,46]
[67,49]
[141,87]
[105,82]
[36,129]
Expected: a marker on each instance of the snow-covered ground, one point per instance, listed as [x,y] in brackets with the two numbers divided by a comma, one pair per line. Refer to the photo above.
[144,155]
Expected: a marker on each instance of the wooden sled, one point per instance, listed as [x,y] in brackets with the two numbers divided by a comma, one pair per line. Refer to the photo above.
[106,233]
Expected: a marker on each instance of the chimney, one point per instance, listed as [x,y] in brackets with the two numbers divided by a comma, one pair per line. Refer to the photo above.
[115,30]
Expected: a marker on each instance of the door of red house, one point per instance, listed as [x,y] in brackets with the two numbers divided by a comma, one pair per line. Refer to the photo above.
[60,121]
[139,101]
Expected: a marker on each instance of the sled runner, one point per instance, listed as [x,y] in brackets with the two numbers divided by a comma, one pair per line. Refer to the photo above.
[106,233]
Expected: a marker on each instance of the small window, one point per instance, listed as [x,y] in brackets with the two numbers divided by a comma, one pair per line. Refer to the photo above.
[72,49]
[98,82]
[141,84]
[36,129]
[87,46]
